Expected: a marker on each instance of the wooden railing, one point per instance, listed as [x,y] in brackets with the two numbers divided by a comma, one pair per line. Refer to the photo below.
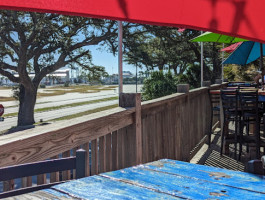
[168,127]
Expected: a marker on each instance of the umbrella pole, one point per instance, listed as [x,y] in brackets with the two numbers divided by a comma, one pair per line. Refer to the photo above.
[261,65]
[201,62]
[222,76]
[120,56]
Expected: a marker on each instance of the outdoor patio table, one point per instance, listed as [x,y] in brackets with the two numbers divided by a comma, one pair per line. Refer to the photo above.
[163,179]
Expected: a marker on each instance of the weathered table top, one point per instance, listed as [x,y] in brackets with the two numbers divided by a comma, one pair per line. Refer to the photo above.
[163,179]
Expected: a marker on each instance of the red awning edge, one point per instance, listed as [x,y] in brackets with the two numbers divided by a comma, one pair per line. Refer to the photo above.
[240,18]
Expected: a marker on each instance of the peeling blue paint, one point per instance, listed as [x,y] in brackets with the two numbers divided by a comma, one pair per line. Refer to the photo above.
[237,179]
[97,187]
[165,179]
[181,186]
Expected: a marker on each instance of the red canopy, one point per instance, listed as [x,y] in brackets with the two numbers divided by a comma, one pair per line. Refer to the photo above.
[231,48]
[241,18]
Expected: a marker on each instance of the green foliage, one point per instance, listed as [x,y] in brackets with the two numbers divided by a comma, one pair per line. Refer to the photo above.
[245,73]
[191,77]
[241,73]
[95,74]
[229,74]
[160,47]
[42,86]
[66,84]
[41,43]
[15,92]
[159,84]
[165,48]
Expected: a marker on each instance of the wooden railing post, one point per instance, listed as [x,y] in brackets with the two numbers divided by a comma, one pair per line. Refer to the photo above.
[138,124]
[183,88]
[218,81]
[206,83]
[127,100]
[185,134]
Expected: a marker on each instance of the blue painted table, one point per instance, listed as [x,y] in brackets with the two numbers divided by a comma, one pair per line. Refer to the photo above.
[163,179]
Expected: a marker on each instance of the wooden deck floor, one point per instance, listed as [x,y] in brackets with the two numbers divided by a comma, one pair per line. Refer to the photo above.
[211,156]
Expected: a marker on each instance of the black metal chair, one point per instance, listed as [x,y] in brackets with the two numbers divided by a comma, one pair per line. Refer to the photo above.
[215,111]
[30,169]
[230,113]
[251,114]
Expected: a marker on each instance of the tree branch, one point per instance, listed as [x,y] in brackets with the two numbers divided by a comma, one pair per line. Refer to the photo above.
[9,43]
[10,76]
[7,66]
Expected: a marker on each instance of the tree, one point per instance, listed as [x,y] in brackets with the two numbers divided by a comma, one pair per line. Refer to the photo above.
[192,76]
[161,47]
[165,47]
[96,73]
[43,43]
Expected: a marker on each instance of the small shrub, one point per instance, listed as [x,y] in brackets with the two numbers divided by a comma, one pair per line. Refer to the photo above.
[15,90]
[67,84]
[42,86]
[159,84]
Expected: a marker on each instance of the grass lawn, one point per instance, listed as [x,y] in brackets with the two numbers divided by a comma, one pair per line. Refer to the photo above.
[61,90]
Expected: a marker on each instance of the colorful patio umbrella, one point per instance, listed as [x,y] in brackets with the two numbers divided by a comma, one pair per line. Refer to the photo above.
[235,17]
[246,53]
[231,48]
[216,37]
[219,38]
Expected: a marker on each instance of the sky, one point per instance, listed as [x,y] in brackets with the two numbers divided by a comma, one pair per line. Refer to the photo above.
[107,60]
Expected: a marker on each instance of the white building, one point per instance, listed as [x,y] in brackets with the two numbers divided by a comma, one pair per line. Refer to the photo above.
[57,77]
[114,78]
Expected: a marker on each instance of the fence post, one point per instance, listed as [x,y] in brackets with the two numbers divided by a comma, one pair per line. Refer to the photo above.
[183,88]
[81,155]
[127,100]
[218,81]
[206,83]
[185,134]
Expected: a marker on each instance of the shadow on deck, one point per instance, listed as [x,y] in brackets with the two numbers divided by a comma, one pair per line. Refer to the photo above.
[211,156]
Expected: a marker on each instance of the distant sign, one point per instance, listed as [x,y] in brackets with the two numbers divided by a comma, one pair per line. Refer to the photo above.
[2,109]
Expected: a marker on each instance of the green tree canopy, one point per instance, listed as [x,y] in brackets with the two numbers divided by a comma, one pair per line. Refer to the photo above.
[95,74]
[165,48]
[43,43]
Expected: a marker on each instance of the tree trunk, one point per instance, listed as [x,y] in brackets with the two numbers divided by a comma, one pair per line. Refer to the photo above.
[217,66]
[27,100]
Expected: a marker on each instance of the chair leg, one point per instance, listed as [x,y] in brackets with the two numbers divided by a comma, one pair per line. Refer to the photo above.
[241,128]
[247,132]
[210,130]
[236,132]
[263,125]
[257,139]
[223,136]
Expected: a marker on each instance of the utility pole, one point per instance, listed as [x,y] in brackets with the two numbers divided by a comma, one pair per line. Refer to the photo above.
[201,63]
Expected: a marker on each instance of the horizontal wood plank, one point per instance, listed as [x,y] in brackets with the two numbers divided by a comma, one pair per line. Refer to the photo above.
[17,148]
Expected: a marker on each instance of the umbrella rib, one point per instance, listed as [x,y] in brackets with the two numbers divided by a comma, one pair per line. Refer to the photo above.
[219,37]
